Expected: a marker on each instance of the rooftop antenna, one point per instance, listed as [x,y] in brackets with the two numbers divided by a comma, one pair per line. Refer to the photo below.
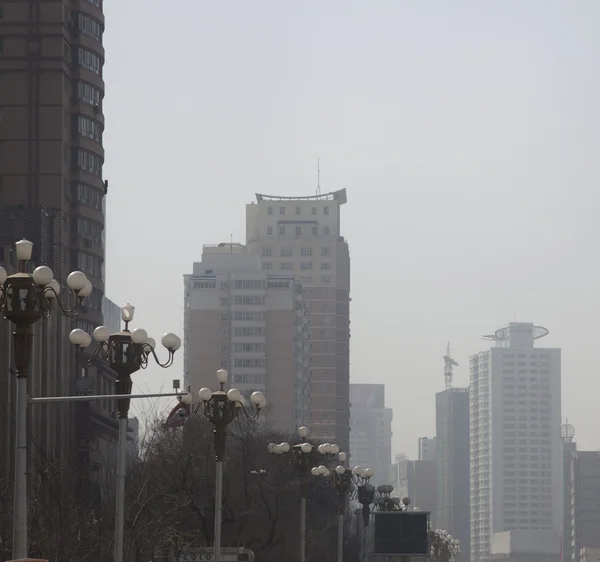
[318,176]
[449,365]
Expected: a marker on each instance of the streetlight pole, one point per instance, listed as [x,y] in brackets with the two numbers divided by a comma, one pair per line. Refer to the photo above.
[124,353]
[24,299]
[221,408]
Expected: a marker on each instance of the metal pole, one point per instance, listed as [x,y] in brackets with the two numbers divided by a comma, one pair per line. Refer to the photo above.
[340,550]
[20,489]
[218,510]
[302,529]
[120,500]
[53,399]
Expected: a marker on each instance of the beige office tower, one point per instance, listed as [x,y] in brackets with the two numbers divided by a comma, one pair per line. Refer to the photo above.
[301,236]
[253,323]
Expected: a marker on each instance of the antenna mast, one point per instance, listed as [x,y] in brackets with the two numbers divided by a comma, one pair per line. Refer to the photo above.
[449,365]
[318,176]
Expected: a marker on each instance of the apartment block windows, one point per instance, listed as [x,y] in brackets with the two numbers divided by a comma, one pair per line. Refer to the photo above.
[306,265]
[298,231]
[89,229]
[282,230]
[97,3]
[306,252]
[269,230]
[267,251]
[89,26]
[249,347]
[325,251]
[298,210]
[313,211]
[282,210]
[255,363]
[91,265]
[87,93]
[325,265]
[286,252]
[326,230]
[88,128]
[325,210]
[267,265]
[249,315]
[269,210]
[87,194]
[87,161]
[248,300]
[287,265]
[249,284]
[88,60]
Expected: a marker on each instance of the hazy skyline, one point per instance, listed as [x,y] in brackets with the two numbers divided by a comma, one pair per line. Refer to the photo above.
[465,134]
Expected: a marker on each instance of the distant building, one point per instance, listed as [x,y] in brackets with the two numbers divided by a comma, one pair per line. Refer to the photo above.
[418,481]
[370,430]
[252,322]
[427,448]
[301,237]
[581,527]
[452,460]
[515,450]
[133,436]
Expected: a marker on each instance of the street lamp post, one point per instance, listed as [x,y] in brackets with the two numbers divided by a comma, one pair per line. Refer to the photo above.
[24,299]
[303,456]
[125,353]
[345,481]
[221,408]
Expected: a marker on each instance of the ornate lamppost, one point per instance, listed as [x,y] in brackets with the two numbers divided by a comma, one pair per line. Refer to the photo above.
[26,298]
[221,408]
[444,548]
[125,353]
[303,457]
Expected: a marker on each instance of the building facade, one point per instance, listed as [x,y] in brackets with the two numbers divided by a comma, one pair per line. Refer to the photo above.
[301,236]
[427,448]
[452,461]
[371,430]
[52,192]
[515,449]
[418,481]
[253,323]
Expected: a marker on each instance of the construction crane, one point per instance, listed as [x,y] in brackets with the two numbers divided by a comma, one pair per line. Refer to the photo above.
[449,365]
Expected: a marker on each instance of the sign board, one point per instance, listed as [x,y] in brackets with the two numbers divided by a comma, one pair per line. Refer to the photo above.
[206,554]
[403,533]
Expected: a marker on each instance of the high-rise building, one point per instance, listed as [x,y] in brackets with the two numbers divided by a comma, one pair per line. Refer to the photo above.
[371,430]
[416,480]
[51,184]
[452,460]
[581,498]
[427,448]
[515,449]
[251,322]
[301,236]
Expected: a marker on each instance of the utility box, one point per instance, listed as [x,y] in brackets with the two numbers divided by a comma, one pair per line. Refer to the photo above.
[404,533]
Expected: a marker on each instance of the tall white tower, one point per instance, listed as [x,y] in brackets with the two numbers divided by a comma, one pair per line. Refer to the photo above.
[515,448]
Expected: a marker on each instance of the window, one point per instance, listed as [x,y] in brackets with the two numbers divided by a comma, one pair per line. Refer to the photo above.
[224,302]
[89,229]
[313,211]
[249,284]
[313,230]
[249,315]
[88,60]
[298,230]
[88,128]
[87,194]
[90,265]
[306,251]
[269,210]
[286,265]
[97,3]
[87,161]
[324,251]
[282,230]
[325,230]
[249,299]
[325,210]
[326,265]
[267,265]
[306,265]
[267,251]
[89,26]
[298,210]
[325,279]
[269,231]
[205,284]
[286,251]
[87,93]
[282,210]
[255,363]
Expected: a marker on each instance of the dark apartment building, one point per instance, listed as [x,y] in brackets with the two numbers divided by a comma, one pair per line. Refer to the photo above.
[452,460]
[52,192]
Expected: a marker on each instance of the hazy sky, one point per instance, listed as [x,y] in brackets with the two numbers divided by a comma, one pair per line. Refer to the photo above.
[465,132]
